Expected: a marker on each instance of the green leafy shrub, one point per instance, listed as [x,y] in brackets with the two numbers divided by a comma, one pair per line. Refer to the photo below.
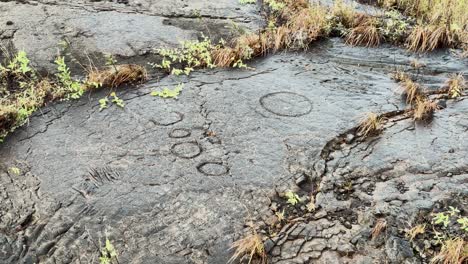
[191,55]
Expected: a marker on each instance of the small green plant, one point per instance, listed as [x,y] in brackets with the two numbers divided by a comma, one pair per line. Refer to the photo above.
[463,221]
[275,5]
[168,93]
[108,253]
[292,197]
[394,26]
[441,219]
[280,216]
[453,211]
[73,89]
[246,2]
[116,100]
[191,55]
[19,64]
[111,61]
[15,170]
[103,103]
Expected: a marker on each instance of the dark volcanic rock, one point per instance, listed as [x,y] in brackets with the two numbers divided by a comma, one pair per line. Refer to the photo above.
[173,180]
[129,29]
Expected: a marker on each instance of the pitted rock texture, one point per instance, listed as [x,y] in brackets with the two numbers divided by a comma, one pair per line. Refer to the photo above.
[173,180]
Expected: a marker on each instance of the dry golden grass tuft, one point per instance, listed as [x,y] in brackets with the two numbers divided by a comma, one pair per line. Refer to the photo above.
[417,64]
[380,226]
[364,33]
[281,38]
[344,14]
[308,25]
[456,85]
[249,247]
[411,90]
[430,37]
[400,76]
[371,125]
[115,76]
[424,109]
[415,231]
[453,251]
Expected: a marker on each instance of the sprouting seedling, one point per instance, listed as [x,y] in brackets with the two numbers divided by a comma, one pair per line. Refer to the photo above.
[441,219]
[292,197]
[103,103]
[73,88]
[463,221]
[453,211]
[280,216]
[15,170]
[116,100]
[19,64]
[108,253]
[168,93]
[111,61]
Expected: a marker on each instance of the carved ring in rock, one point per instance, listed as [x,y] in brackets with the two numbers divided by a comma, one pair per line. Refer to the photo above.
[186,150]
[212,168]
[286,104]
[168,119]
[180,133]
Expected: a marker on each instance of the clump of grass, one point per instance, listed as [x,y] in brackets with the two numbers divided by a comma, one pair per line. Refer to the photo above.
[380,225]
[249,247]
[370,125]
[429,37]
[399,76]
[456,85]
[116,75]
[242,48]
[365,33]
[453,251]
[343,14]
[424,109]
[307,25]
[440,23]
[411,90]
[452,12]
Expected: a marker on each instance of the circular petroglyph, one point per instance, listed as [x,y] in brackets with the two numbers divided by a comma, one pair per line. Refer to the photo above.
[168,119]
[186,150]
[212,168]
[286,104]
[180,133]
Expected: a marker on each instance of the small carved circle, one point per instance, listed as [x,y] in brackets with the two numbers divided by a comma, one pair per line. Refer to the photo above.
[168,119]
[186,150]
[212,168]
[180,133]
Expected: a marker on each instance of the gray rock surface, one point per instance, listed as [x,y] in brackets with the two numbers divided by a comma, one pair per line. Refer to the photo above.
[127,29]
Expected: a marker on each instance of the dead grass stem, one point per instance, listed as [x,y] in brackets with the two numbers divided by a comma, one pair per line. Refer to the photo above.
[249,247]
